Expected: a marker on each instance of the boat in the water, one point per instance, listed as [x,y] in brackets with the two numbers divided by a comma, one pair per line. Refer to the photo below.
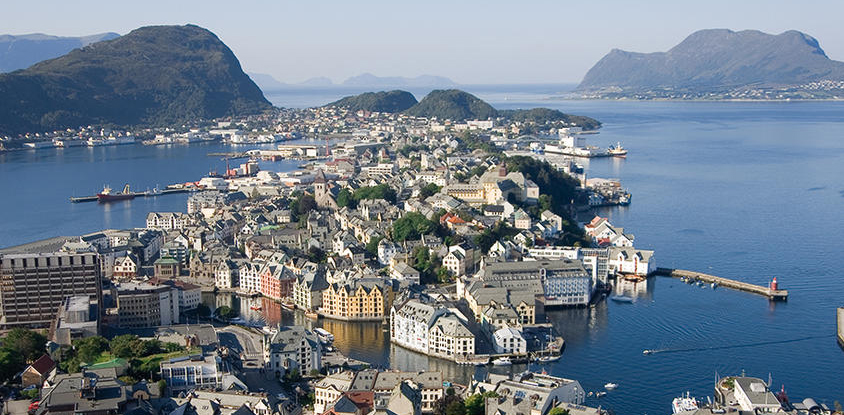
[647,351]
[255,307]
[324,335]
[622,298]
[108,196]
[600,394]
[684,403]
[617,150]
[549,358]
[610,386]
[502,361]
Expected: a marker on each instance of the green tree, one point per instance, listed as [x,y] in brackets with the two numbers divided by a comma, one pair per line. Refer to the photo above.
[372,245]
[558,411]
[411,226]
[429,190]
[444,405]
[171,347]
[31,394]
[203,310]
[316,255]
[475,405]
[162,387]
[122,346]
[89,349]
[11,362]
[306,204]
[455,408]
[345,198]
[226,312]
[30,344]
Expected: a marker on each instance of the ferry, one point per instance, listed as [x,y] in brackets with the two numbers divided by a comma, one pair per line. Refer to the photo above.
[324,335]
[684,403]
[617,151]
[610,386]
[502,361]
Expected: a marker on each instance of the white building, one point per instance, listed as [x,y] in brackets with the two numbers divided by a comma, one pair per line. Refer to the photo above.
[628,260]
[192,372]
[227,274]
[432,330]
[167,220]
[509,340]
[292,348]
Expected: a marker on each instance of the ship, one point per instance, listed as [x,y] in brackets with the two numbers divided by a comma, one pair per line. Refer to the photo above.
[617,150]
[107,196]
[684,403]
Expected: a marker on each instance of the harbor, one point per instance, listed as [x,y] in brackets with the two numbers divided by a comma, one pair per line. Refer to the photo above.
[772,292]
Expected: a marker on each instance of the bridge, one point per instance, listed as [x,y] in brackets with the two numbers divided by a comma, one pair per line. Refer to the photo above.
[775,295]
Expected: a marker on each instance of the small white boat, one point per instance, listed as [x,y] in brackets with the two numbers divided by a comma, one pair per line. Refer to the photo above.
[622,298]
[684,403]
[600,394]
[610,386]
[647,351]
[502,361]
[713,285]
[547,359]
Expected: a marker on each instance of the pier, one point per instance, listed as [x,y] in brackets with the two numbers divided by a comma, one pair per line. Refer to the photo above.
[841,326]
[167,191]
[775,295]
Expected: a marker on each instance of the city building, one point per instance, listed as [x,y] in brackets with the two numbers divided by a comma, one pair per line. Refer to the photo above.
[78,317]
[37,277]
[564,282]
[146,305]
[193,372]
[167,220]
[509,340]
[364,299]
[88,393]
[531,393]
[292,348]
[431,329]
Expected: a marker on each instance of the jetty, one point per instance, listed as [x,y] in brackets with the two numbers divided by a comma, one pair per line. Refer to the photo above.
[841,326]
[772,294]
[168,191]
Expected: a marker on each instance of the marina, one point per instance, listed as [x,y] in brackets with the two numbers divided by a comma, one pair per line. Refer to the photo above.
[772,291]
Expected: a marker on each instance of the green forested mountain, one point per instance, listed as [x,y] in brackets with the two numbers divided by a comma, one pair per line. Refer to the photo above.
[384,101]
[452,104]
[153,75]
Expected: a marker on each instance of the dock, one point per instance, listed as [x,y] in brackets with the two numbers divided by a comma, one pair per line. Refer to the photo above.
[774,295]
[841,327]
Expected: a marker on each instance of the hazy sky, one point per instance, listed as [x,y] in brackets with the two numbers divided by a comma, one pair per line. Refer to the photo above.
[468,41]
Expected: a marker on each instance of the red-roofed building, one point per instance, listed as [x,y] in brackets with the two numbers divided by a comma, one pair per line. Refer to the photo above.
[38,371]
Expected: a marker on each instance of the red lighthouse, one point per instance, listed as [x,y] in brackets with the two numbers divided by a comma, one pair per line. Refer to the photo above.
[774,284]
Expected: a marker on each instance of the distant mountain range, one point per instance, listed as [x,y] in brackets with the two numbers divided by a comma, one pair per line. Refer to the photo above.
[367,80]
[716,61]
[455,105]
[152,76]
[23,51]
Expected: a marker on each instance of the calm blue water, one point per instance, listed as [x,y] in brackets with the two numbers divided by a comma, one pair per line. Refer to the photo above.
[743,190]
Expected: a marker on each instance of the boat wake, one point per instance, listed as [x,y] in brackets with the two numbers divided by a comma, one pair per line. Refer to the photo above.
[734,346]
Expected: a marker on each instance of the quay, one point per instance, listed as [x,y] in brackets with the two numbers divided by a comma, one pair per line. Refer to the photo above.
[775,295]
[841,326]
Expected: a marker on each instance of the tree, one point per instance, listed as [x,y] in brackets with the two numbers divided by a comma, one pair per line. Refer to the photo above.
[316,255]
[558,411]
[475,405]
[31,394]
[203,310]
[89,349]
[30,344]
[171,347]
[372,245]
[455,408]
[162,386]
[411,226]
[306,204]
[429,190]
[346,199]
[11,362]
[226,312]
[121,346]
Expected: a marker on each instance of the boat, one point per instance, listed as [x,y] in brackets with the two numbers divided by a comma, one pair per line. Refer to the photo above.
[502,361]
[311,314]
[107,196]
[617,151]
[255,307]
[288,305]
[600,394]
[546,359]
[647,351]
[610,386]
[622,298]
[324,335]
[154,192]
[684,403]
[713,285]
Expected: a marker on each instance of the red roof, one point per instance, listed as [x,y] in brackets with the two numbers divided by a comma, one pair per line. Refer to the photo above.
[43,365]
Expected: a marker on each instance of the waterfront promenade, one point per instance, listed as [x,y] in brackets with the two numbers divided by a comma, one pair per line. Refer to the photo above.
[775,295]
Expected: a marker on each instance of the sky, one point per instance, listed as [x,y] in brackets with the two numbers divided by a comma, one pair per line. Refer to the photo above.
[470,42]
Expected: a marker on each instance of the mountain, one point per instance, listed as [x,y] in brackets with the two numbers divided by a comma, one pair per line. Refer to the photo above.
[317,81]
[389,101]
[452,104]
[22,51]
[370,80]
[717,60]
[546,115]
[266,82]
[153,75]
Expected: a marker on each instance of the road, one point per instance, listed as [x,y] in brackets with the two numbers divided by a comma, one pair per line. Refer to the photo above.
[243,341]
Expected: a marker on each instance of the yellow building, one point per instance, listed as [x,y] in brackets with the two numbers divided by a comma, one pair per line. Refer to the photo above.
[360,300]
